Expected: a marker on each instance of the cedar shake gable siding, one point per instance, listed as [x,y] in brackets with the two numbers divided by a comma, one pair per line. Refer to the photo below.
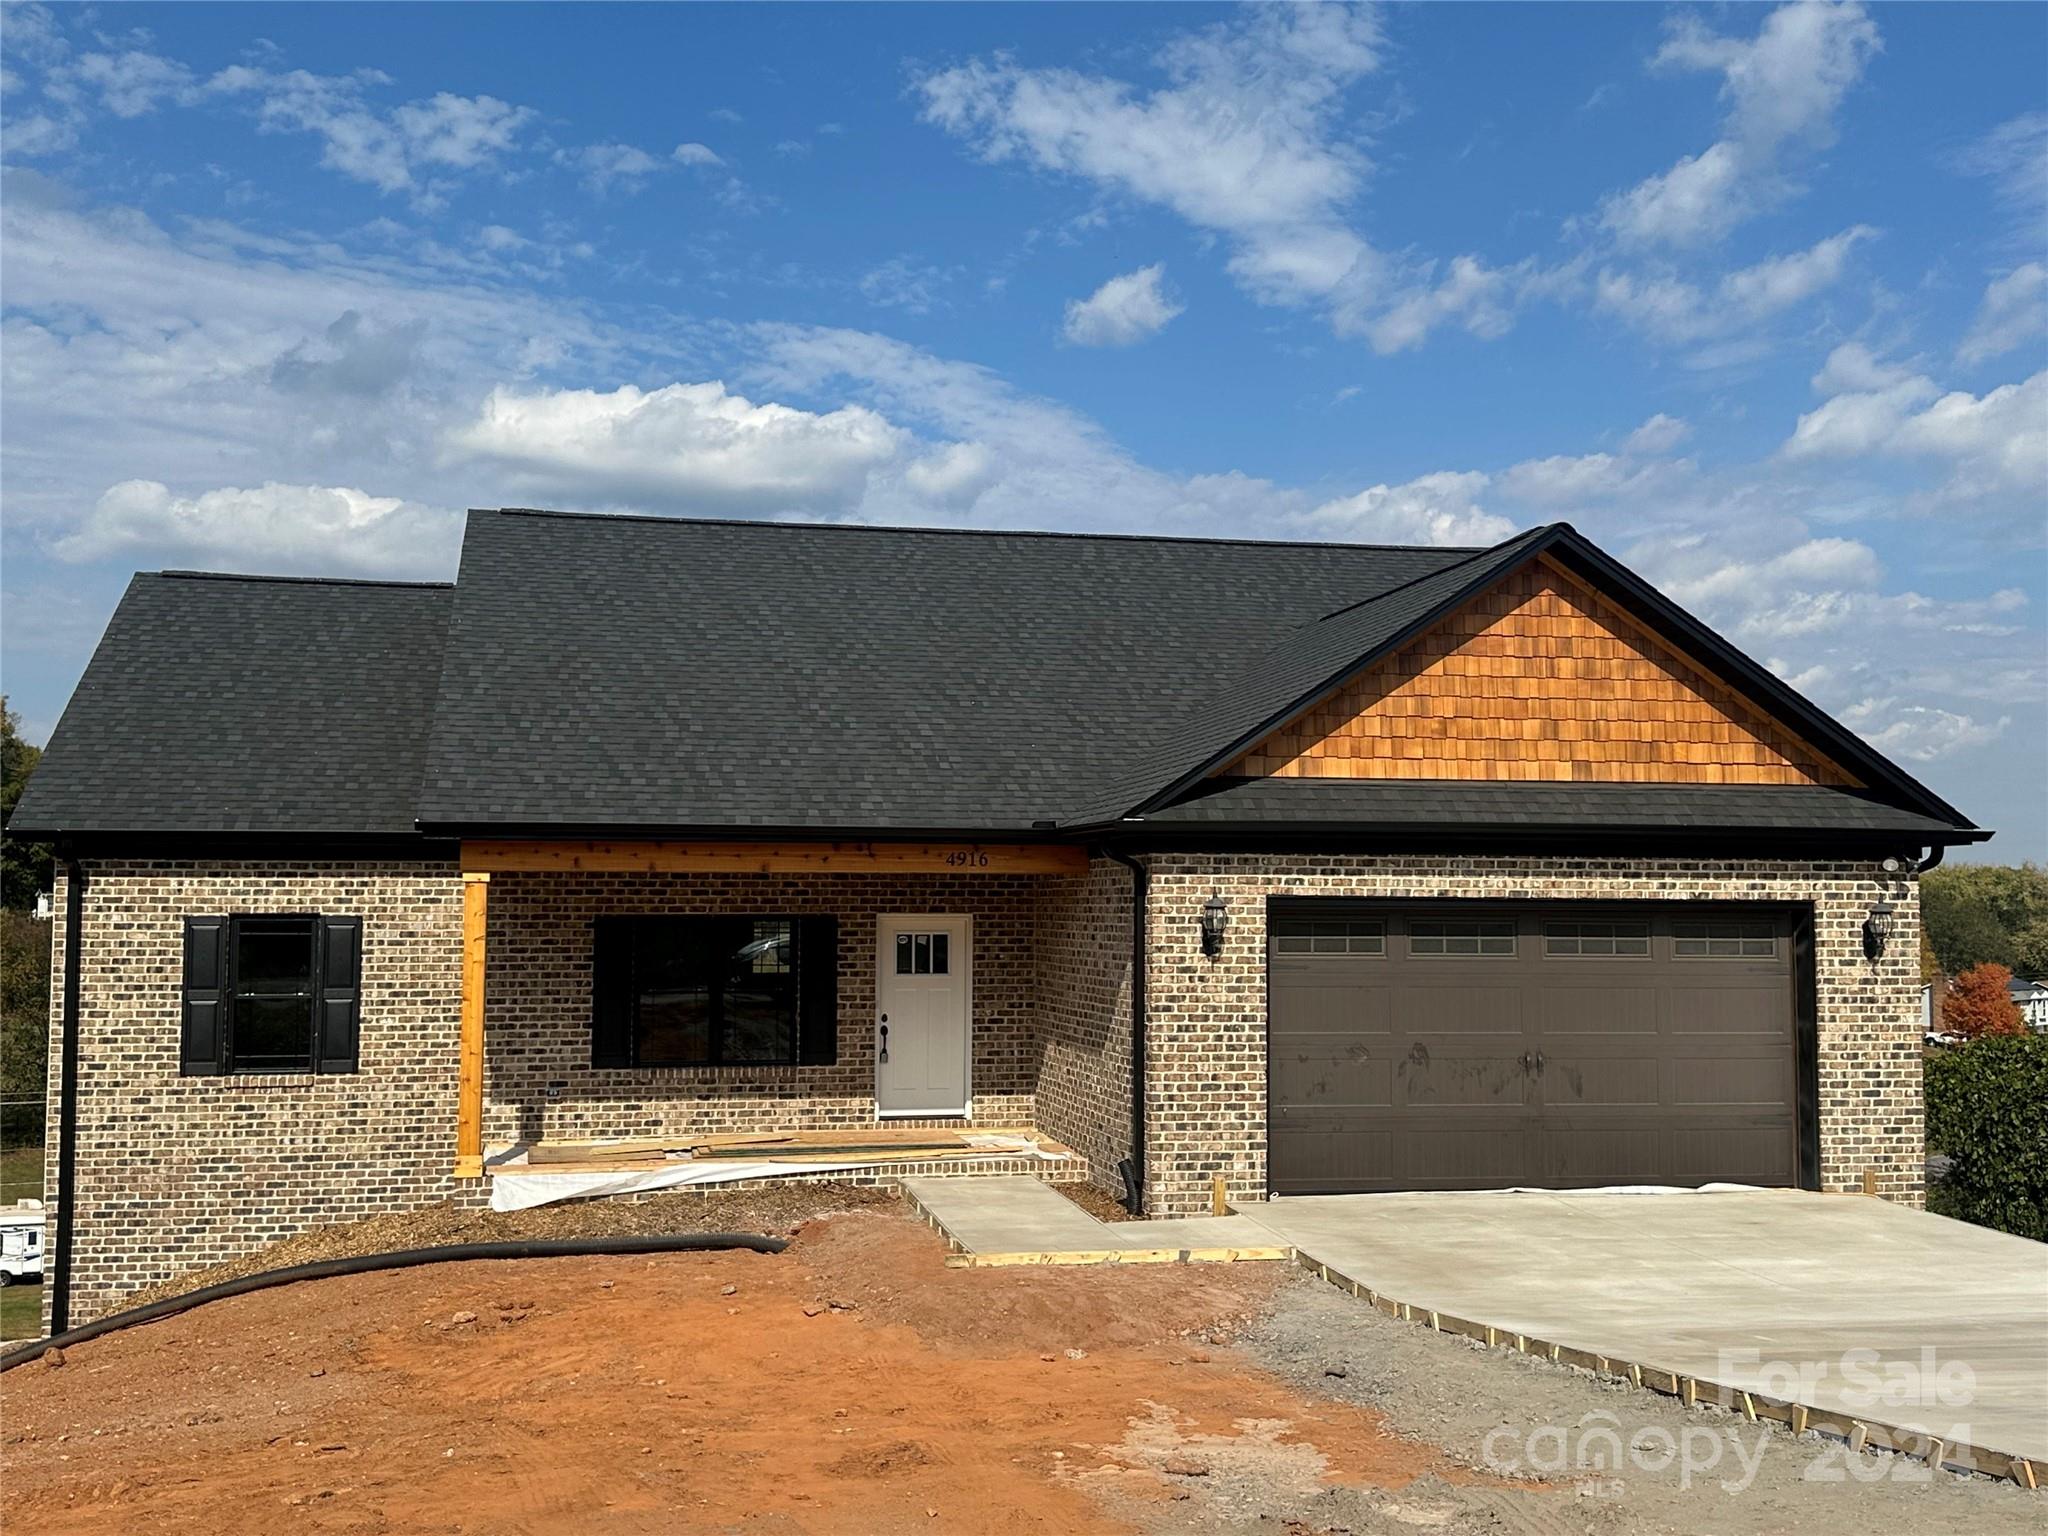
[1539,678]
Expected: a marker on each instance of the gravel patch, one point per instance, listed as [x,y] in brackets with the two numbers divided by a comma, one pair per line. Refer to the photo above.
[1505,1411]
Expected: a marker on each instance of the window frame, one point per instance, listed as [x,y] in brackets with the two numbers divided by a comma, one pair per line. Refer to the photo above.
[1647,933]
[234,994]
[717,1025]
[1472,927]
[1378,935]
[1769,935]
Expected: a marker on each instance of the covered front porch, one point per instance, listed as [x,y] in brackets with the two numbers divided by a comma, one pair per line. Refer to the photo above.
[640,1015]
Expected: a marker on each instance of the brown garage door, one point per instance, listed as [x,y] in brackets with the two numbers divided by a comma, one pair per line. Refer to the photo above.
[1559,1046]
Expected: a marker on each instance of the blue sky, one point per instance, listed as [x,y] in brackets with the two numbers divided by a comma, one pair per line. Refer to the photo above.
[1755,297]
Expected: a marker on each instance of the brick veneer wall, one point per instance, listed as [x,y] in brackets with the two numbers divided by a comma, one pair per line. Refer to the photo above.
[175,1173]
[1206,1019]
[1084,1015]
[537,1005]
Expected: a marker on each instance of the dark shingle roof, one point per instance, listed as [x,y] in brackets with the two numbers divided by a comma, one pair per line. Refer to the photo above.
[606,671]
[247,704]
[1298,669]
[1530,807]
[655,675]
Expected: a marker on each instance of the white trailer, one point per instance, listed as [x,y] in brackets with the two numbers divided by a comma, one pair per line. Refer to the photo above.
[21,1242]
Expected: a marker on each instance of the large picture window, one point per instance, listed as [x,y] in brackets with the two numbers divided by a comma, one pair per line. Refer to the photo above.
[270,992]
[713,991]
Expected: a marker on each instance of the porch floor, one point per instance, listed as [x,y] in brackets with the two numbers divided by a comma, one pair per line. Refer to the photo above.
[525,1174]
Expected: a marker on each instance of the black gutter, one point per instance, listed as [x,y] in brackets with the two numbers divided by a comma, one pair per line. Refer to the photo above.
[67,1092]
[405,1258]
[1133,1167]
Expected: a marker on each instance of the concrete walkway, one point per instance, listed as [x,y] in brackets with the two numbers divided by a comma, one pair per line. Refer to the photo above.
[1024,1221]
[1767,1291]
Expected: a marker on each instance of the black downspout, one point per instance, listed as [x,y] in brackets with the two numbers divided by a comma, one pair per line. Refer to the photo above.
[67,1094]
[1133,1167]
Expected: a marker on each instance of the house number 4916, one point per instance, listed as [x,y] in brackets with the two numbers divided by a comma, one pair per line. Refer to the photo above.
[967,858]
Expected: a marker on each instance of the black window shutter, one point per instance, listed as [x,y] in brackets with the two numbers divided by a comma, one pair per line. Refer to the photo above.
[817,980]
[611,992]
[341,994]
[202,1035]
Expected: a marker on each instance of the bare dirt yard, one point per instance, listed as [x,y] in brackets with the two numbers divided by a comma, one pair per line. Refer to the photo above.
[856,1385]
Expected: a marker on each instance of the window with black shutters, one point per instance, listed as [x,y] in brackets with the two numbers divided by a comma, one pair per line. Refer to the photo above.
[714,991]
[269,992]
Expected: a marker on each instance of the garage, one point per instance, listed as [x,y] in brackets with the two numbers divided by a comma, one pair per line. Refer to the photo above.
[1456,1045]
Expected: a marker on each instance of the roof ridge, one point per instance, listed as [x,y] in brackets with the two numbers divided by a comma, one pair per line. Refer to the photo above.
[312,581]
[1443,570]
[1467,550]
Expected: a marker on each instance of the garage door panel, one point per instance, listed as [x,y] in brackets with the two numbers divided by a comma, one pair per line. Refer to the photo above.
[1575,1060]
[1633,1079]
[1321,1002]
[1585,1008]
[1745,1008]
[1756,1082]
[1331,1070]
[1448,1006]
[1456,1072]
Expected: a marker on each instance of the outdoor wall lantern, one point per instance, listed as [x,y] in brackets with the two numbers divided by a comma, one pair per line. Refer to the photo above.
[1215,918]
[1877,931]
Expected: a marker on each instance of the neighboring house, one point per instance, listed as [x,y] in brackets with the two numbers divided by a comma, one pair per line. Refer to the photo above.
[1392,868]
[2031,998]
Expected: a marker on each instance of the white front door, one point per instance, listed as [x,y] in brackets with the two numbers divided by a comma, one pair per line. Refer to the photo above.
[923,995]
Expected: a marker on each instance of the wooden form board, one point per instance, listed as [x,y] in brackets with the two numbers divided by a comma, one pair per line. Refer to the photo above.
[572,855]
[1540,678]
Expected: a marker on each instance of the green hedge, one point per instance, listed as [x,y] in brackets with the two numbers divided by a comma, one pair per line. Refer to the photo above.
[1987,1108]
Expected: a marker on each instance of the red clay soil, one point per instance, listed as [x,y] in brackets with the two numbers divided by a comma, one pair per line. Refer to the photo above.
[853,1384]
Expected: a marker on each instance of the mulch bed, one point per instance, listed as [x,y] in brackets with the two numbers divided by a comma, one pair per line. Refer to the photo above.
[1098,1203]
[776,1210]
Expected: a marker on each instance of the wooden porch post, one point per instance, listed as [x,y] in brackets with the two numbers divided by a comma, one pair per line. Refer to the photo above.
[469,1079]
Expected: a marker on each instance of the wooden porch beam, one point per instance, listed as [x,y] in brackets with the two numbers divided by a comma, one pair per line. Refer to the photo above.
[469,1075]
[565,856]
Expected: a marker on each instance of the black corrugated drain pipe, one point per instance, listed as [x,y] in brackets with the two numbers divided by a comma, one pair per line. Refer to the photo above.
[404,1258]
[1133,1167]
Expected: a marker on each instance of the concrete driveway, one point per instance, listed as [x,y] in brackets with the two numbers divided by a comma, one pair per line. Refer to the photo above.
[1766,1291]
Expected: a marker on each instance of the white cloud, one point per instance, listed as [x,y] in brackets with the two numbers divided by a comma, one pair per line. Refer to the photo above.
[277,528]
[1993,443]
[1854,367]
[695,154]
[605,166]
[1660,434]
[2013,313]
[1919,732]
[1672,309]
[390,150]
[903,282]
[1243,141]
[1782,90]
[2014,158]
[133,84]
[692,445]
[1478,297]
[1123,310]
[1441,508]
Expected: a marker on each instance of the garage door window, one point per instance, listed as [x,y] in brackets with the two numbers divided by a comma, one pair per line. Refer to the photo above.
[1461,937]
[1724,941]
[1296,937]
[1620,940]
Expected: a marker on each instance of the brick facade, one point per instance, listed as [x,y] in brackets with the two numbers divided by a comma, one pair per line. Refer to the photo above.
[1084,1016]
[1206,1018]
[537,1005]
[176,1173]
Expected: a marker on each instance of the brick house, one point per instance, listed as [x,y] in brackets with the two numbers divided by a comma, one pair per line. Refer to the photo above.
[1385,868]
